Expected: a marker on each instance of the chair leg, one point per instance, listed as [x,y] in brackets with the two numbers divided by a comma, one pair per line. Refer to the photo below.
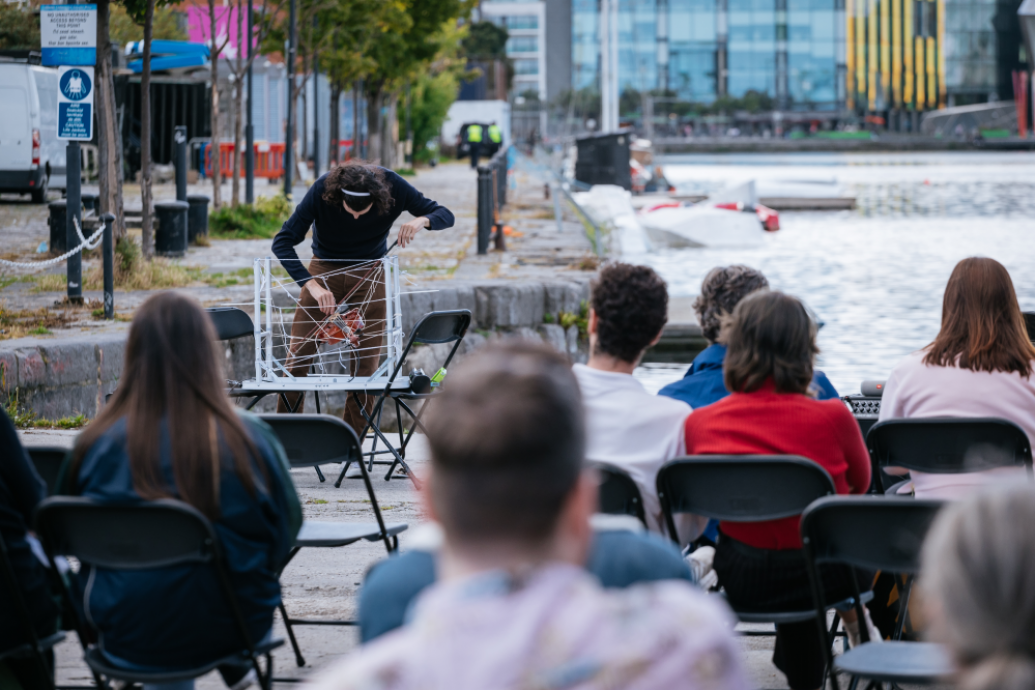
[395,453]
[299,659]
[316,399]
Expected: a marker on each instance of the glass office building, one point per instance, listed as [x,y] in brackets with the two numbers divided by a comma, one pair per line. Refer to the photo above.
[806,55]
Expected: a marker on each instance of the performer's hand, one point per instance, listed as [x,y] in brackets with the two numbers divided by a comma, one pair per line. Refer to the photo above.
[409,230]
[324,298]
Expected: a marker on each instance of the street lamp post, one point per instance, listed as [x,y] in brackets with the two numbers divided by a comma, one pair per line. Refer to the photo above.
[289,144]
[249,128]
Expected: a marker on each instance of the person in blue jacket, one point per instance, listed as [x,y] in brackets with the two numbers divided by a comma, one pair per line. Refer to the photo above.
[703,384]
[170,431]
[721,291]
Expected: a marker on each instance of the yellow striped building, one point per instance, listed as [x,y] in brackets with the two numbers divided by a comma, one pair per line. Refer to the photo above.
[894,55]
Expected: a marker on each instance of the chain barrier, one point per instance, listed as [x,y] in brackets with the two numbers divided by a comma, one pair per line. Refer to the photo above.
[86,243]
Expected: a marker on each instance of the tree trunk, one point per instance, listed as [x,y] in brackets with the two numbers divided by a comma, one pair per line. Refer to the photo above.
[147,239]
[374,125]
[217,182]
[108,137]
[334,136]
[238,134]
[356,135]
[305,119]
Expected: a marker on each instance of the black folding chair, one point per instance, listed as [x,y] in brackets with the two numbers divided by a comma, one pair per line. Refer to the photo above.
[140,536]
[434,328]
[875,533]
[316,439]
[33,647]
[48,460]
[946,445]
[232,323]
[746,488]
[619,494]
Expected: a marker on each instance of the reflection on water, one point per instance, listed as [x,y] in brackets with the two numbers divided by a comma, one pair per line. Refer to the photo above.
[874,275]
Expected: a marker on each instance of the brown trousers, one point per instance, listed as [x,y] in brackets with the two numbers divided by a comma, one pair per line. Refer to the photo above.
[303,347]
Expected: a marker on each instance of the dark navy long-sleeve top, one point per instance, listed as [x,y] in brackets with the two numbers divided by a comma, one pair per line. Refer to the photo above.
[337,235]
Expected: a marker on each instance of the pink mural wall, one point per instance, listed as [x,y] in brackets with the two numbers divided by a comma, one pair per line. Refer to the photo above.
[229,22]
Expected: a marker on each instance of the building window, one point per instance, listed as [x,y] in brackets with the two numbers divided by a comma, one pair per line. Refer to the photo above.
[526,67]
[522,44]
[518,21]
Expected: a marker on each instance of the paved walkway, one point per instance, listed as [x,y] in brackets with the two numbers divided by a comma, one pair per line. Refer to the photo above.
[537,250]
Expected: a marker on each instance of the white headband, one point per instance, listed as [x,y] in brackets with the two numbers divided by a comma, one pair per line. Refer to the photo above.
[355,193]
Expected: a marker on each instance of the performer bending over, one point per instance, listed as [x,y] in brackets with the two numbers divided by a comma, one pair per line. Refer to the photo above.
[351,210]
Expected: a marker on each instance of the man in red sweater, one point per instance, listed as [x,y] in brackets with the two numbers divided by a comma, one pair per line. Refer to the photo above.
[768,368]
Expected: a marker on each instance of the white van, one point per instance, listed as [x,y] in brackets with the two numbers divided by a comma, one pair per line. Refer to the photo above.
[32,159]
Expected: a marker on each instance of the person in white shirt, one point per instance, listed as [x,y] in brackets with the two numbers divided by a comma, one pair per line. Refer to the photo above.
[980,365]
[626,426]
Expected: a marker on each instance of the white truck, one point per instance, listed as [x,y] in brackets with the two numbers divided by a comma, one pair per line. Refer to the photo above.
[32,160]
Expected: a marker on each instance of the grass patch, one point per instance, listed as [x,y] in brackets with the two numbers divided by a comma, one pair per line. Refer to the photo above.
[19,323]
[49,282]
[316,501]
[27,419]
[262,220]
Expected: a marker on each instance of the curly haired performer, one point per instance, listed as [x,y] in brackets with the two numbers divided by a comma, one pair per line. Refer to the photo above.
[351,210]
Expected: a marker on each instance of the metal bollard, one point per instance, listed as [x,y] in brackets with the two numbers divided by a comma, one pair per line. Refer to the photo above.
[180,139]
[485,214]
[74,213]
[557,210]
[108,247]
[500,242]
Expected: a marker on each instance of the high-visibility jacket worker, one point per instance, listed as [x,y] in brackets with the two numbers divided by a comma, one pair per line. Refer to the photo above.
[474,134]
[495,135]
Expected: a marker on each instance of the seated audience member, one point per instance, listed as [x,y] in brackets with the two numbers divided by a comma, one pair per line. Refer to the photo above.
[978,596]
[169,431]
[772,343]
[721,291]
[625,425]
[513,607]
[21,490]
[979,365]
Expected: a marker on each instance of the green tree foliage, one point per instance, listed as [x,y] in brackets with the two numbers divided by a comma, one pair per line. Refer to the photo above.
[485,41]
[19,27]
[432,95]
[125,29]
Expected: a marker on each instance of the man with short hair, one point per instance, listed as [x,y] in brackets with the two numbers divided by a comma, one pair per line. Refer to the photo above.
[626,426]
[513,607]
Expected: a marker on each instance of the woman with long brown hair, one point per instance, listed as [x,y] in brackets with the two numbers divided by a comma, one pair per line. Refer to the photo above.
[979,365]
[170,431]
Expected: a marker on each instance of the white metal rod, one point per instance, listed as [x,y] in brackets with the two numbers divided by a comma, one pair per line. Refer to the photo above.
[257,332]
[269,317]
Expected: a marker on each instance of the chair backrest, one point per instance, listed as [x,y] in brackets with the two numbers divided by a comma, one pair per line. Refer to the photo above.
[441,327]
[742,488]
[314,439]
[870,532]
[47,461]
[948,445]
[132,536]
[619,494]
[230,322]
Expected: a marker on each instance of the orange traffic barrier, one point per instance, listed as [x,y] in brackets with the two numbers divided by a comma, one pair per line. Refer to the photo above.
[269,160]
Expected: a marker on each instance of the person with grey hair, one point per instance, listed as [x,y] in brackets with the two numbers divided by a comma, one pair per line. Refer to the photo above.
[978,596]
[722,290]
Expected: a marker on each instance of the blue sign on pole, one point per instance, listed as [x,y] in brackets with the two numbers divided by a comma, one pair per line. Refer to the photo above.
[75,103]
